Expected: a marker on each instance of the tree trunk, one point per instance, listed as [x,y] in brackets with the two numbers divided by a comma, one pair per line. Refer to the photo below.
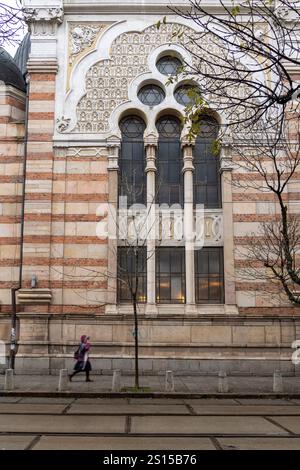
[136,343]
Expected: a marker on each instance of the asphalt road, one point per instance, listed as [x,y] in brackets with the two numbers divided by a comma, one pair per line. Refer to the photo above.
[148,423]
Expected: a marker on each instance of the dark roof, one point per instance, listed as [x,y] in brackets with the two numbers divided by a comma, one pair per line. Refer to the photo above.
[22,54]
[10,74]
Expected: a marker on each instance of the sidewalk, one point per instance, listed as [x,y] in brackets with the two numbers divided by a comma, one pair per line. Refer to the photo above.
[156,384]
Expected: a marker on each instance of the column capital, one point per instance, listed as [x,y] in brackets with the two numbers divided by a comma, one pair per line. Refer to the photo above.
[151,140]
[113,143]
[43,19]
[187,141]
[226,163]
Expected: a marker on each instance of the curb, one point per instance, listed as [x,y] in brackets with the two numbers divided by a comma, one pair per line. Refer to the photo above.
[71,394]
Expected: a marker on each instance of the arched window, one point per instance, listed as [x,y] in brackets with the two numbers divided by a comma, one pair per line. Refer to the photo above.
[169,161]
[207,188]
[132,180]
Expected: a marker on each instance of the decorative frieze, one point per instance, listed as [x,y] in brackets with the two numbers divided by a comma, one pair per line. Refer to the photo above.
[87,152]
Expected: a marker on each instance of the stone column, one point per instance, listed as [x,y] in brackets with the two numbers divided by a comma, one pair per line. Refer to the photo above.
[188,169]
[150,146]
[112,243]
[229,275]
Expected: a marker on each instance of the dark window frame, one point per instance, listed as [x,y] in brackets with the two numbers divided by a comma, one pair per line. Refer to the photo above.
[125,262]
[169,275]
[207,177]
[132,161]
[169,162]
[209,277]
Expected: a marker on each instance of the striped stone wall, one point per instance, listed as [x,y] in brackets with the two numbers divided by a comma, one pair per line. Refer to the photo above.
[12,114]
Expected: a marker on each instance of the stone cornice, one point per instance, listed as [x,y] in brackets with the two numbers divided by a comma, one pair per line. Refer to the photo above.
[134,6]
[42,66]
[12,92]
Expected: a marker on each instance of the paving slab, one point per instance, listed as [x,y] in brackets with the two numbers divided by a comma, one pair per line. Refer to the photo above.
[9,399]
[240,410]
[204,425]
[259,443]
[264,401]
[122,443]
[100,401]
[156,401]
[26,408]
[292,423]
[46,401]
[294,401]
[210,401]
[62,424]
[15,442]
[133,409]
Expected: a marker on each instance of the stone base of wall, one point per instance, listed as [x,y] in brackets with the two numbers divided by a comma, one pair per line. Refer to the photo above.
[188,367]
[239,345]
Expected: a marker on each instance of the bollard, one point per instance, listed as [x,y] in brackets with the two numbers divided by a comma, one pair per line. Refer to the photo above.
[223,386]
[9,380]
[63,378]
[169,384]
[116,381]
[277,381]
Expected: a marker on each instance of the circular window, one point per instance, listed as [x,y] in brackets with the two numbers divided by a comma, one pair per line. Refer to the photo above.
[132,127]
[151,95]
[184,94]
[168,65]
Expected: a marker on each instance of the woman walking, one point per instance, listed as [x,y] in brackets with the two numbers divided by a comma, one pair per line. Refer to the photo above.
[82,359]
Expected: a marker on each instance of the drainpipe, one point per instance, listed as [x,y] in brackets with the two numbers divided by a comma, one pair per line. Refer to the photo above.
[13,333]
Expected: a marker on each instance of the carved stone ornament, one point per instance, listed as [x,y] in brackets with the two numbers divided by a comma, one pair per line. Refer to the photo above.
[82,37]
[54,14]
[107,81]
[62,124]
[283,13]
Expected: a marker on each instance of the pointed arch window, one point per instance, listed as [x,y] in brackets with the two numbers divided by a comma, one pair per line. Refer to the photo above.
[132,179]
[169,161]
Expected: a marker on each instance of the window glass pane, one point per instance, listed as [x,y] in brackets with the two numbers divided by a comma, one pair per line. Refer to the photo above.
[202,265]
[212,196]
[132,178]
[176,290]
[176,261]
[164,288]
[212,173]
[214,289]
[168,65]
[127,275]
[206,164]
[170,275]
[214,262]
[209,275]
[169,161]
[203,288]
[164,261]
[184,94]
[151,95]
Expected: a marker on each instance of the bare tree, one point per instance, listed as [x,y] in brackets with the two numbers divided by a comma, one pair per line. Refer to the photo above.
[243,58]
[11,23]
[234,49]
[267,161]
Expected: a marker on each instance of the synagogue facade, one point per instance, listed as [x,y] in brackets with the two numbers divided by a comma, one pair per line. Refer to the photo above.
[87,116]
